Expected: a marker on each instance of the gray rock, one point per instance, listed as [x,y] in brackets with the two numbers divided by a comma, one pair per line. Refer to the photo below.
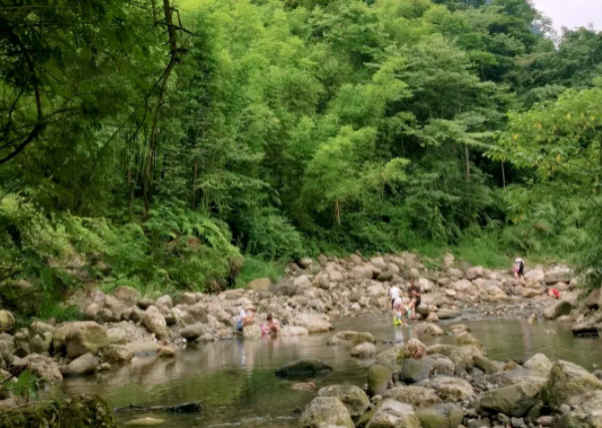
[351,396]
[325,411]
[364,351]
[414,371]
[513,400]
[416,396]
[569,384]
[116,354]
[393,414]
[485,364]
[192,332]
[154,321]
[441,415]
[306,367]
[85,364]
[539,363]
[351,338]
[379,377]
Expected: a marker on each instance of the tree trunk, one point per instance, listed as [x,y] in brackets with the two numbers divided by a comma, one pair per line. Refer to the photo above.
[466,163]
[130,192]
[503,175]
[337,211]
[147,175]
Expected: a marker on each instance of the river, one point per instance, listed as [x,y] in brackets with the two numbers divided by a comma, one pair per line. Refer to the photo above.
[236,380]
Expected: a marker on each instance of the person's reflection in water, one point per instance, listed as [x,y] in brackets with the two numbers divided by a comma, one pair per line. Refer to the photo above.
[242,352]
[527,339]
[399,335]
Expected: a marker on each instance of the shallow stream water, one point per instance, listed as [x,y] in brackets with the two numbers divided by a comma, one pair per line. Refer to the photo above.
[236,380]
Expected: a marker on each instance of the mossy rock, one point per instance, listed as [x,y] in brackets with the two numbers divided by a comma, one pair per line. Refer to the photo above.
[81,412]
[441,415]
[378,379]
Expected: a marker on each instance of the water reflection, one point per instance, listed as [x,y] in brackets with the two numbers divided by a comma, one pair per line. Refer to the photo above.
[236,381]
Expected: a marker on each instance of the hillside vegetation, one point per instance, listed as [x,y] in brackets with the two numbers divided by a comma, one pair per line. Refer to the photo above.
[155,143]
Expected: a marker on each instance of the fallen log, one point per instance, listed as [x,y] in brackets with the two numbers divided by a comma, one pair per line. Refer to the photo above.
[193,407]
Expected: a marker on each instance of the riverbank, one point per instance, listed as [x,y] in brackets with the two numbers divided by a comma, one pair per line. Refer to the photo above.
[125,324]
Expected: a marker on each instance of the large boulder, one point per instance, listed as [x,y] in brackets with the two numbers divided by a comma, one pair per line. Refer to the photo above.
[540,364]
[86,364]
[313,323]
[154,321]
[427,330]
[465,338]
[351,338]
[393,414]
[379,377]
[559,274]
[485,364]
[594,300]
[463,356]
[165,300]
[305,367]
[364,351]
[116,354]
[414,371]
[7,320]
[475,272]
[80,338]
[441,415]
[393,356]
[40,343]
[448,313]
[570,384]
[251,332]
[192,332]
[127,295]
[353,397]
[535,275]
[43,367]
[260,284]
[326,411]
[562,307]
[512,400]
[441,348]
[450,388]
[416,396]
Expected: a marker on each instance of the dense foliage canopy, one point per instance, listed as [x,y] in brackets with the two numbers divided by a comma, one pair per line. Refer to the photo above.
[154,142]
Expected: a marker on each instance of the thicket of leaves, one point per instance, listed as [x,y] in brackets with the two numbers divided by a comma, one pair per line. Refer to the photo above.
[283,127]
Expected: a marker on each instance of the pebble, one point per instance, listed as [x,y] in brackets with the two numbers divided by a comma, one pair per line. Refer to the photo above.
[564,409]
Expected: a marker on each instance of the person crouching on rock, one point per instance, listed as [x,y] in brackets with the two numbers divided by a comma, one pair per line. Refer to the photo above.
[552,292]
[245,318]
[271,326]
[414,294]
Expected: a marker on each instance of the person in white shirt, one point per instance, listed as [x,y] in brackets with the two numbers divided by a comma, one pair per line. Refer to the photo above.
[395,293]
[245,318]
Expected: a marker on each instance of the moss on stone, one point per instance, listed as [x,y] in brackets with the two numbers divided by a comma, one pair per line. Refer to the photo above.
[81,412]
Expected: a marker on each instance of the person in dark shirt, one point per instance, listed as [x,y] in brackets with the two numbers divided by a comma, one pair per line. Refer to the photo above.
[414,294]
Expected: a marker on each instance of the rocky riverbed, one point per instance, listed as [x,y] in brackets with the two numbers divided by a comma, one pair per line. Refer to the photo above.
[452,386]
[124,324]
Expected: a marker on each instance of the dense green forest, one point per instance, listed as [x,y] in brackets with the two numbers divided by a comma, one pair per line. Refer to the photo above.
[156,142]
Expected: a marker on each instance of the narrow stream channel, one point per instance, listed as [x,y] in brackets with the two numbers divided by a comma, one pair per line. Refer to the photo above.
[237,383]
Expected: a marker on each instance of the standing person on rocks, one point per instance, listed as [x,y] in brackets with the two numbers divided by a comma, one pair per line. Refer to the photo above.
[519,268]
[414,294]
[397,307]
[395,293]
[245,318]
